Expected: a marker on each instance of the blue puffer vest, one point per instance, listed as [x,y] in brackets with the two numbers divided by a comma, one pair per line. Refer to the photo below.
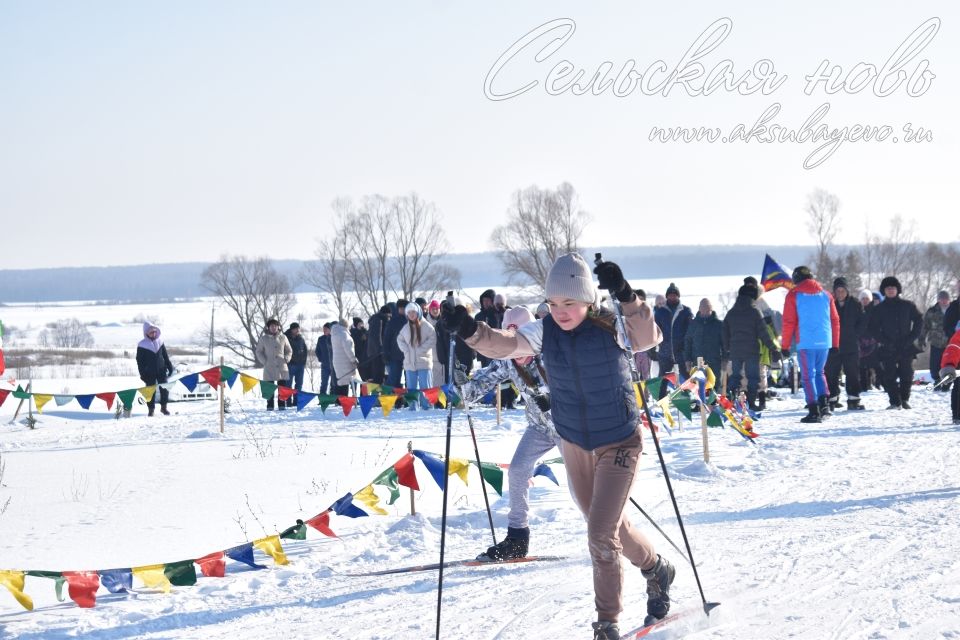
[591,392]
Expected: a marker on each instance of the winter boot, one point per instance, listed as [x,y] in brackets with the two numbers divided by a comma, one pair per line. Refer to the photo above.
[762,401]
[905,404]
[659,579]
[606,630]
[834,403]
[813,415]
[150,407]
[752,402]
[163,409]
[824,404]
[853,404]
[510,548]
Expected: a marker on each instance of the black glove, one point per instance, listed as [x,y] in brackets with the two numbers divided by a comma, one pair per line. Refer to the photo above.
[785,353]
[833,351]
[543,401]
[457,321]
[611,279]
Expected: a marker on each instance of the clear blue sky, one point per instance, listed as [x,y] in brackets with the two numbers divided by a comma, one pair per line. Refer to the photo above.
[138,132]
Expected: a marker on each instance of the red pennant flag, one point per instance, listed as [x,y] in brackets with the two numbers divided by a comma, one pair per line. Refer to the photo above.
[432,395]
[82,587]
[284,392]
[363,389]
[108,398]
[3,396]
[322,524]
[347,402]
[212,376]
[725,402]
[213,565]
[406,476]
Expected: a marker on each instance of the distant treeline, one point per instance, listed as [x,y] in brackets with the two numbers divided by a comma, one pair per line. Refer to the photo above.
[164,282]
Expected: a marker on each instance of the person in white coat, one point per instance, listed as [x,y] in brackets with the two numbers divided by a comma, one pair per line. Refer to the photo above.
[417,340]
[345,363]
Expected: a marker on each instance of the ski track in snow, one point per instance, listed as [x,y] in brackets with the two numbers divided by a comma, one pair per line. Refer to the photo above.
[847,529]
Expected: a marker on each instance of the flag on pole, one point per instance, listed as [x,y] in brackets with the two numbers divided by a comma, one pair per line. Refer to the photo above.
[774,275]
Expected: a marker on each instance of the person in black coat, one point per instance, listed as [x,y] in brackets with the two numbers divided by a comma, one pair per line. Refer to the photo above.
[951,317]
[376,326]
[392,355]
[896,324]
[743,330]
[847,355]
[705,339]
[154,366]
[324,353]
[488,313]
[298,362]
[360,336]
[673,318]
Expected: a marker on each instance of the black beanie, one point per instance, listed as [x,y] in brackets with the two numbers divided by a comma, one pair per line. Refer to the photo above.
[839,283]
[751,280]
[890,281]
[800,274]
[673,289]
[750,291]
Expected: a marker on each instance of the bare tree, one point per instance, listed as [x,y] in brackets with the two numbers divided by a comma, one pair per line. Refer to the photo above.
[66,334]
[420,243]
[368,232]
[255,292]
[331,271]
[823,222]
[542,224]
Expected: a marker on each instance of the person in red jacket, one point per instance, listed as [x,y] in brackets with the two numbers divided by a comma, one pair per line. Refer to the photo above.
[811,323]
[948,371]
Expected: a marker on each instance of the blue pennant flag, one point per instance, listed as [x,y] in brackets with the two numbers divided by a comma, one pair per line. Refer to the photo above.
[434,465]
[244,554]
[345,507]
[85,400]
[543,469]
[367,403]
[116,580]
[304,398]
[190,381]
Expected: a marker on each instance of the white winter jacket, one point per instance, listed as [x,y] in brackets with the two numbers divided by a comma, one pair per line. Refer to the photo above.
[417,356]
[344,359]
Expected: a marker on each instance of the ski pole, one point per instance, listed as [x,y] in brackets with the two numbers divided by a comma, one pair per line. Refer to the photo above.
[446,472]
[622,328]
[483,483]
[657,527]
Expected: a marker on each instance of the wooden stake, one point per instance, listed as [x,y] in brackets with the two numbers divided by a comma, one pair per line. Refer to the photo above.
[413,506]
[20,406]
[703,420]
[221,390]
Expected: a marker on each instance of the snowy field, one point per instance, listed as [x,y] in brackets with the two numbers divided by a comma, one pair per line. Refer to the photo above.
[842,530]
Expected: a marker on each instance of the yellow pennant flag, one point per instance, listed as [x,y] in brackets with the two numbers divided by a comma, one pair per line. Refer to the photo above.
[664,405]
[711,378]
[248,382]
[13,581]
[153,577]
[442,398]
[41,399]
[373,388]
[148,392]
[460,467]
[637,392]
[271,547]
[369,498]
[386,403]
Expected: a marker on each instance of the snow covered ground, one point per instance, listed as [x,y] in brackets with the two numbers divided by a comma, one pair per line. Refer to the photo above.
[843,530]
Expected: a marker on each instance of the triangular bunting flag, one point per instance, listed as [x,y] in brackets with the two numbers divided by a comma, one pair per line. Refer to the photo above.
[412,397]
[127,396]
[213,565]
[369,497]
[228,375]
[683,404]
[367,403]
[85,400]
[284,393]
[321,523]
[461,467]
[493,475]
[386,403]
[653,387]
[190,381]
[432,395]
[434,465]
[296,532]
[148,392]
[60,400]
[243,553]
[347,403]
[714,419]
[152,577]
[116,580]
[20,394]
[388,479]
[3,396]
[406,475]
[106,397]
[544,470]
[41,399]
[181,574]
[212,376]
[345,507]
[271,546]
[304,398]
[267,388]
[13,581]
[325,401]
[56,576]
[248,382]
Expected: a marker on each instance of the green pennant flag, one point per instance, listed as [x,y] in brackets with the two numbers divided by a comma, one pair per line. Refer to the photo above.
[714,420]
[21,394]
[412,396]
[227,372]
[389,480]
[682,402]
[181,574]
[127,396]
[267,388]
[53,575]
[493,475]
[653,387]
[711,397]
[296,532]
[326,401]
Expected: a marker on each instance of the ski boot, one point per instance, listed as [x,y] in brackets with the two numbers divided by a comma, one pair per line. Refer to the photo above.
[606,630]
[813,414]
[659,578]
[510,548]
[824,405]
